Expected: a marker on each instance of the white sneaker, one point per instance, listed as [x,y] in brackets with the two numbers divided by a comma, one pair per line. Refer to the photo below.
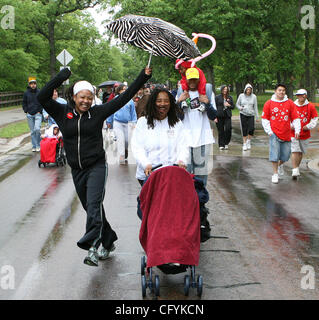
[281,171]
[275,178]
[34,149]
[37,149]
[248,144]
[226,147]
[295,173]
[245,147]
[221,148]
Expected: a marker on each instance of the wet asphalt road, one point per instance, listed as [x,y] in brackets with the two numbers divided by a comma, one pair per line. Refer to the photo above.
[263,234]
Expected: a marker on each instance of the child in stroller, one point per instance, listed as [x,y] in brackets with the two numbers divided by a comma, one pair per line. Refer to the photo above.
[51,147]
[170,229]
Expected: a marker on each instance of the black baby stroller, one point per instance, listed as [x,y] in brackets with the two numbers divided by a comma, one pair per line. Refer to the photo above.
[52,152]
[170,230]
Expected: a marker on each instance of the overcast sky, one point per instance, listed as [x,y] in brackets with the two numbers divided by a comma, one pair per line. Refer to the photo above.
[99,17]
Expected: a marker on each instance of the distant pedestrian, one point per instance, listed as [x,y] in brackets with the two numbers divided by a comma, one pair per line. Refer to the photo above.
[224,105]
[46,116]
[96,100]
[142,101]
[33,109]
[309,118]
[248,112]
[277,115]
[120,122]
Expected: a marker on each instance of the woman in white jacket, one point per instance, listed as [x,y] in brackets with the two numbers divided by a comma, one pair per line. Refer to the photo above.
[247,104]
[159,136]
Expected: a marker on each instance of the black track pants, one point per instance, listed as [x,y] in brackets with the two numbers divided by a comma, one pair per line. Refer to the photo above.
[224,127]
[90,187]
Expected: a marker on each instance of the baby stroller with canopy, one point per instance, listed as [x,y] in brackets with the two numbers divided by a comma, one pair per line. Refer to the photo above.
[170,229]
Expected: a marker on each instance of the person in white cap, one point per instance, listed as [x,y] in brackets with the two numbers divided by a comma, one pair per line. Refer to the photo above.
[277,115]
[309,118]
[81,127]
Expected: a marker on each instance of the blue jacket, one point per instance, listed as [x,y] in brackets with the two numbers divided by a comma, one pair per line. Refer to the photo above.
[125,114]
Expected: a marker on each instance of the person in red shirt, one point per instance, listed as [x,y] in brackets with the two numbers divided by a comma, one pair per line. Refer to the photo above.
[308,117]
[278,113]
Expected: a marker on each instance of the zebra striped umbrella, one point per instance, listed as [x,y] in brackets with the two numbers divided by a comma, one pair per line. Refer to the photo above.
[154,35]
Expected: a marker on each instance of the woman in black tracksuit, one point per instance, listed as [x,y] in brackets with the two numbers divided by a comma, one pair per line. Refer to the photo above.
[81,127]
[224,105]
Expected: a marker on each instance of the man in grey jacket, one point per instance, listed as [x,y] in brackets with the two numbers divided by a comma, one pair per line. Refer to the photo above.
[247,104]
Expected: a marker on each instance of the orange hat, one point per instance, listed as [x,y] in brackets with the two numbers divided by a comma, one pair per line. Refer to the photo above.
[32,79]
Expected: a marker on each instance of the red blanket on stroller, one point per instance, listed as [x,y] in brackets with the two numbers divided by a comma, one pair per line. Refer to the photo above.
[48,150]
[170,230]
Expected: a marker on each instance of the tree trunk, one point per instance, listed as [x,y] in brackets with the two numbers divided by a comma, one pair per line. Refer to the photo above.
[51,26]
[210,76]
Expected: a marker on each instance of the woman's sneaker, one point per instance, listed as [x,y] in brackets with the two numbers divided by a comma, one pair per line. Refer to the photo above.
[248,144]
[104,253]
[295,173]
[245,147]
[92,259]
[274,178]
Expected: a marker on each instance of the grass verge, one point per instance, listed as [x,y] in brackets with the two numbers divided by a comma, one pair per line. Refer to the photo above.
[15,129]
[10,108]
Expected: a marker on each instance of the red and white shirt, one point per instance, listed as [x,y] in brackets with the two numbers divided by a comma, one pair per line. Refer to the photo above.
[280,114]
[306,113]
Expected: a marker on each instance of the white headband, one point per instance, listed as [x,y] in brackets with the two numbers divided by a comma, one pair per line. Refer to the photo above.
[82,85]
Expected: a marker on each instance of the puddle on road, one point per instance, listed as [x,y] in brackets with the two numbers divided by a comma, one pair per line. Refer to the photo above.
[282,228]
[35,210]
[58,229]
[285,231]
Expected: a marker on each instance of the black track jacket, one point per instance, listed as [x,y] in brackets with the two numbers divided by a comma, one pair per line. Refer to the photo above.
[82,134]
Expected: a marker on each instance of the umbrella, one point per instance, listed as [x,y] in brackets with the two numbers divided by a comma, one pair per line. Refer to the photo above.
[154,35]
[108,83]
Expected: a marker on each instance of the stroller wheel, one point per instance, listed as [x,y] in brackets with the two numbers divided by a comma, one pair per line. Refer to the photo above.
[199,285]
[157,286]
[143,265]
[143,282]
[186,285]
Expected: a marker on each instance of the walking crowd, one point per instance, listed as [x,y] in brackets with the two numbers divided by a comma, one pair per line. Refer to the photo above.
[170,128]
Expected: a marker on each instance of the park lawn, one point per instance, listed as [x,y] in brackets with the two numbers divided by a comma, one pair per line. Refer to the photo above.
[15,129]
[10,108]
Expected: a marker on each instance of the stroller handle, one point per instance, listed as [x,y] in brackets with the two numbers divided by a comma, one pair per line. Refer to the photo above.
[157,166]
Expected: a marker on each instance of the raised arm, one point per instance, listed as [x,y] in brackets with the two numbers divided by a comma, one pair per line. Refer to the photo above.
[120,101]
[45,94]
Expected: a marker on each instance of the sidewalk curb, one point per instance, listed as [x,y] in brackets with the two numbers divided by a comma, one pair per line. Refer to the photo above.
[314,165]
[7,145]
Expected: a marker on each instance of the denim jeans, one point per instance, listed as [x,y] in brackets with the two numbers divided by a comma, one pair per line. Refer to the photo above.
[279,149]
[199,162]
[34,122]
